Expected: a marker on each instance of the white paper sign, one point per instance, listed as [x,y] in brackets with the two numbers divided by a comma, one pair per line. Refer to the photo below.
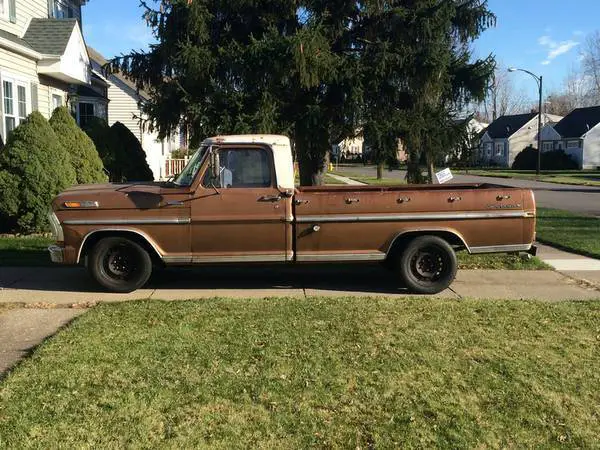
[444,176]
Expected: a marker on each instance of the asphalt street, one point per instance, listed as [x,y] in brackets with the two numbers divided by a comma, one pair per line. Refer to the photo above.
[578,199]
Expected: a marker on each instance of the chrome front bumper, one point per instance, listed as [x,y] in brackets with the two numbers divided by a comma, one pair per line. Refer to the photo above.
[57,254]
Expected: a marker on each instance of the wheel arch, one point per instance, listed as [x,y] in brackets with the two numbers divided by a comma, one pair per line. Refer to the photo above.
[93,237]
[453,237]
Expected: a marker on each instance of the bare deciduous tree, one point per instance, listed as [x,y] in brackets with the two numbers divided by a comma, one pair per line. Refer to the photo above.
[591,64]
[503,97]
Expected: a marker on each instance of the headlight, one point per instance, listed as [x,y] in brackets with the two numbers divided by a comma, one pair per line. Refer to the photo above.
[57,230]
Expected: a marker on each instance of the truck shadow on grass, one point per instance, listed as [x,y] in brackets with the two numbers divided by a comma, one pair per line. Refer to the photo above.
[367,279]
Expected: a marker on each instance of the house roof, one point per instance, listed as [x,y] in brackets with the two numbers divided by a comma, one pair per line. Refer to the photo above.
[86,91]
[506,126]
[49,36]
[15,39]
[102,61]
[578,122]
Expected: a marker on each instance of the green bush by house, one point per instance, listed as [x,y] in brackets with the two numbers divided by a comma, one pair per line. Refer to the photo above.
[34,168]
[84,156]
[552,160]
[121,152]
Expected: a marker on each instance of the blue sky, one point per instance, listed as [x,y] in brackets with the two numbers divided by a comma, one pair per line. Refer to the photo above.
[543,36]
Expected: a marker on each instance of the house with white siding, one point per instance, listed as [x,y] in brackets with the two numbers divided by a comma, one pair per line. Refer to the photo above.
[578,134]
[507,136]
[43,58]
[124,101]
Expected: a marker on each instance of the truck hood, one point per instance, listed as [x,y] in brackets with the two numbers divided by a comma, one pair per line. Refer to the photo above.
[118,196]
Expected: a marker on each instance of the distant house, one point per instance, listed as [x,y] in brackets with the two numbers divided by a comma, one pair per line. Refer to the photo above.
[578,134]
[507,136]
[350,148]
[43,58]
[123,105]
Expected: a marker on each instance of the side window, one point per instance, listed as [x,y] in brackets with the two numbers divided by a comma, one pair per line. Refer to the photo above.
[242,168]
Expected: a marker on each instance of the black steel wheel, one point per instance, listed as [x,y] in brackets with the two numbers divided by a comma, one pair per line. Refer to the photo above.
[427,265]
[120,265]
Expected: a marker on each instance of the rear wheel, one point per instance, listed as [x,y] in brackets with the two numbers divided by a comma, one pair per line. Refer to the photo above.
[120,265]
[427,265]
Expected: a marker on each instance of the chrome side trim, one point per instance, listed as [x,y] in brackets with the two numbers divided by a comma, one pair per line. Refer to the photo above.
[323,257]
[126,230]
[501,249]
[151,221]
[415,216]
[275,257]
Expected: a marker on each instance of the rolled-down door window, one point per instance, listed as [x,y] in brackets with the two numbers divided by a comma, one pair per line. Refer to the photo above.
[245,168]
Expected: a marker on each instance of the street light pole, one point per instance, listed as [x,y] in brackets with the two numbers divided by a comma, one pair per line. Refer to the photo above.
[540,82]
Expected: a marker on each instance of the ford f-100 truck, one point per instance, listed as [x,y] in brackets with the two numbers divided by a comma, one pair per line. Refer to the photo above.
[236,202]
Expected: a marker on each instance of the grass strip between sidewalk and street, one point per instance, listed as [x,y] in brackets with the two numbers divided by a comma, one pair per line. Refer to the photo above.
[317,372]
[19,251]
[568,231]
[582,178]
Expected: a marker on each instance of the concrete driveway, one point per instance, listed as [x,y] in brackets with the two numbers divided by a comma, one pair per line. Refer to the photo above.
[45,287]
[578,199]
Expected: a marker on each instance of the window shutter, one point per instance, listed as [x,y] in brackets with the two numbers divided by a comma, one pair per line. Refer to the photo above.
[34,97]
[12,10]
[50,8]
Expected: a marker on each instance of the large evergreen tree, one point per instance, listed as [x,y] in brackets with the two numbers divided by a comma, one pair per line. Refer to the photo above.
[314,69]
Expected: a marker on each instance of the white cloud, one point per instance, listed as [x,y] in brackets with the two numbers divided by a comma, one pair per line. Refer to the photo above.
[554,48]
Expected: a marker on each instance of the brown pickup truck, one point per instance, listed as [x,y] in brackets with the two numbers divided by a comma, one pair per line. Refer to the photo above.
[236,202]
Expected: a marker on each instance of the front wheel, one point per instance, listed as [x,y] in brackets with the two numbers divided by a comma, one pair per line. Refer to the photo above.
[427,265]
[120,265]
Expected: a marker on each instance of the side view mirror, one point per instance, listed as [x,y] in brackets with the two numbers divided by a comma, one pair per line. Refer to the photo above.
[214,164]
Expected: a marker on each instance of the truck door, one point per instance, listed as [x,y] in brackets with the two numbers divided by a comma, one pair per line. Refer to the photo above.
[238,214]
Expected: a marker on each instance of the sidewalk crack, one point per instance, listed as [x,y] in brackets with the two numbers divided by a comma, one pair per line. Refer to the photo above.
[460,297]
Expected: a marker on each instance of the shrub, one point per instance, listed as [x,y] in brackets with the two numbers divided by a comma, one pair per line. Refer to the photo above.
[34,168]
[121,152]
[130,156]
[558,160]
[553,160]
[84,156]
[526,160]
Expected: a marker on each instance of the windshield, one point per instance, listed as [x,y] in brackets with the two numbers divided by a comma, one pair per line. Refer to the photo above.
[186,177]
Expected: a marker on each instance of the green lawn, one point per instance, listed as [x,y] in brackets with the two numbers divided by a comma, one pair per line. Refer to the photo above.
[24,251]
[573,232]
[587,178]
[500,261]
[298,373]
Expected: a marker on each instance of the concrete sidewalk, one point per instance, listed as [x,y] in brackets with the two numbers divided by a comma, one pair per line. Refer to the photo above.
[23,329]
[571,265]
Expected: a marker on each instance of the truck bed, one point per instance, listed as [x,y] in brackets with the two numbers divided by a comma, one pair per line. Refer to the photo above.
[479,217]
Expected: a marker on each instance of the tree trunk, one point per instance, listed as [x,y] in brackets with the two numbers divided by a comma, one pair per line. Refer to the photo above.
[311,172]
[380,171]
[430,170]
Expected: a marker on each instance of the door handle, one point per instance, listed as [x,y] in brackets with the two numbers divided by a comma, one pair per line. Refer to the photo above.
[349,201]
[503,197]
[454,199]
[403,200]
[270,198]
[299,202]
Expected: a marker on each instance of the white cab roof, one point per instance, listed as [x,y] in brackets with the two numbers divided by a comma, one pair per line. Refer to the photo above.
[282,153]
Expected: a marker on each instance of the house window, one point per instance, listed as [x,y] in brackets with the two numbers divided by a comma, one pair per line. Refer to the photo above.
[4,9]
[573,144]
[500,149]
[547,147]
[86,113]
[559,145]
[62,9]
[15,104]
[57,101]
